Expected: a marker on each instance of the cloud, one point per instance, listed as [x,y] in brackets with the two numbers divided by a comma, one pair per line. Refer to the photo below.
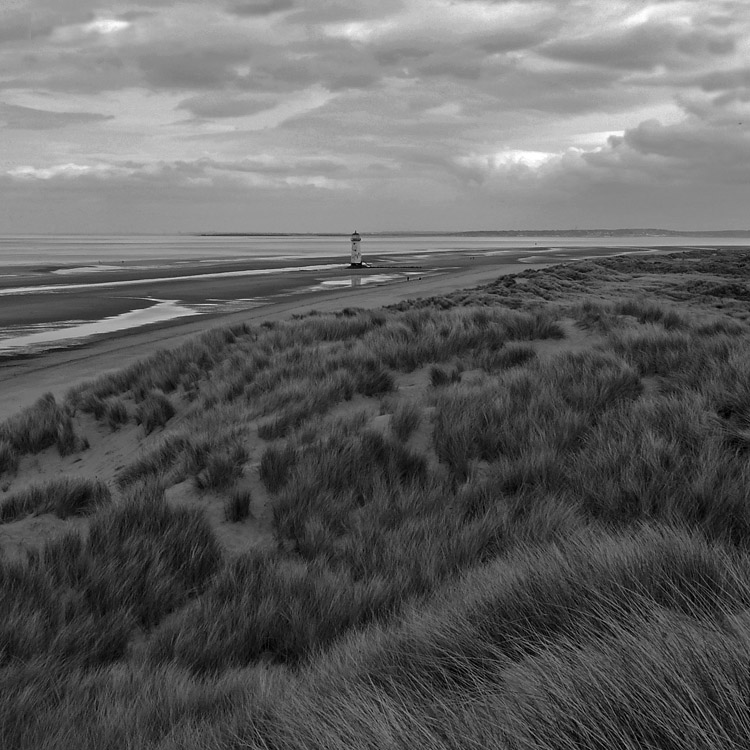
[225,104]
[17,117]
[652,155]
[261,7]
[65,172]
[450,103]
[286,165]
[190,68]
[642,47]
[722,80]
[20,26]
[690,149]
[106,26]
[283,172]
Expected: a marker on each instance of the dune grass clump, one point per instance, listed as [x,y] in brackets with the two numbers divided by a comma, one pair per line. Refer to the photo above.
[67,496]
[41,426]
[305,399]
[538,639]
[237,505]
[276,465]
[214,456]
[93,404]
[116,413]
[160,460]
[9,457]
[373,379]
[530,326]
[80,600]
[167,369]
[179,542]
[665,459]
[68,440]
[427,335]
[405,420]
[439,376]
[154,411]
[679,356]
[36,427]
[337,462]
[221,469]
[512,355]
[346,556]
[47,702]
[545,408]
[597,316]
[110,409]
[302,606]
[605,317]
[725,326]
[651,312]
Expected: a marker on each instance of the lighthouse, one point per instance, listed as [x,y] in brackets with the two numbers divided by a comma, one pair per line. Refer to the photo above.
[356,261]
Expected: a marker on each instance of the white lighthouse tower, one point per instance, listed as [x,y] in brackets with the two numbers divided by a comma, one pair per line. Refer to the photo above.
[356,261]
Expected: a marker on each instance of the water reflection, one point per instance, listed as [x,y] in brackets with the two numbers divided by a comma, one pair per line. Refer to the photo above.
[355,280]
[45,335]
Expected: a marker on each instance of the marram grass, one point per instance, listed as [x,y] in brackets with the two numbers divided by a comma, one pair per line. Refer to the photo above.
[546,548]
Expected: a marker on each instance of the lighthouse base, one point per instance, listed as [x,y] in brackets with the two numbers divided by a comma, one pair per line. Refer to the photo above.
[358,265]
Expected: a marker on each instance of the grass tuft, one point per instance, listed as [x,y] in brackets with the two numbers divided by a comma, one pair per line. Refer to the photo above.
[405,419]
[64,497]
[41,426]
[276,465]
[222,469]
[512,355]
[9,457]
[439,376]
[374,379]
[237,505]
[154,411]
[116,413]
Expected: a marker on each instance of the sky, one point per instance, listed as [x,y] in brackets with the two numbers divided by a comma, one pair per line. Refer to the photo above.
[329,115]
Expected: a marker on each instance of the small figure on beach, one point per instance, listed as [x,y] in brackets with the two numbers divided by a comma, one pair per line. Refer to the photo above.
[356,260]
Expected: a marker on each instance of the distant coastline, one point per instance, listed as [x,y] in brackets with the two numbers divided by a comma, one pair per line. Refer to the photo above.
[503,233]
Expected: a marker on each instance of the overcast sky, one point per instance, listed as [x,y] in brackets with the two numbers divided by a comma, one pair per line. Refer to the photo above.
[330,115]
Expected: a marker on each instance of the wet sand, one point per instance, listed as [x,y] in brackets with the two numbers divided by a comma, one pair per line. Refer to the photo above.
[46,295]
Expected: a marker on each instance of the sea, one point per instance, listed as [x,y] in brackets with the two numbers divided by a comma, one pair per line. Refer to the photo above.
[32,266]
[68,250]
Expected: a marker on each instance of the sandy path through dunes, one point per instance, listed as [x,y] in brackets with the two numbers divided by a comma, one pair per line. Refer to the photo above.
[23,381]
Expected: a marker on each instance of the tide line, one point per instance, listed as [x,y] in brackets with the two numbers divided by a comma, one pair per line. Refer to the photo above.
[163,279]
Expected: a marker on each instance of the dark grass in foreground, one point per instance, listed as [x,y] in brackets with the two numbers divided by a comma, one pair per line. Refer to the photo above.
[81,600]
[68,496]
[573,574]
[37,427]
